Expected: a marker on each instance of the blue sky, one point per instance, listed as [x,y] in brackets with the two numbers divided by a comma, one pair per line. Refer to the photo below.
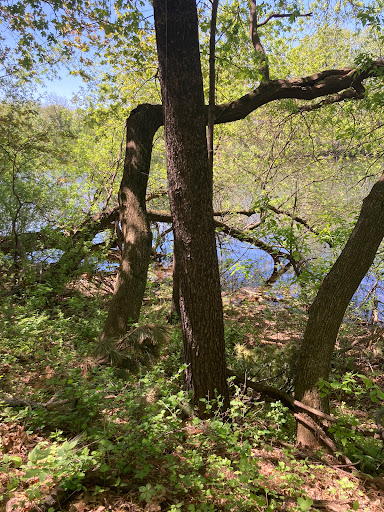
[65,86]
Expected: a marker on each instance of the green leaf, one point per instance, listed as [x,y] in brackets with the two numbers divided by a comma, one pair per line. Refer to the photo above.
[42,476]
[30,473]
[16,461]
[304,503]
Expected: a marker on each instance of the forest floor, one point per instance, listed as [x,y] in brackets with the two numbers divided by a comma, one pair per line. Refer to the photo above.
[81,436]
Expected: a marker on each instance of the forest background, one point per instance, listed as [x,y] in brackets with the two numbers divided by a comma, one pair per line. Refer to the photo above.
[97,403]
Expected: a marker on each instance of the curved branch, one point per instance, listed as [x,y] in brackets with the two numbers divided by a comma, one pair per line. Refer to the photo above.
[285,15]
[348,94]
[285,398]
[242,236]
[324,83]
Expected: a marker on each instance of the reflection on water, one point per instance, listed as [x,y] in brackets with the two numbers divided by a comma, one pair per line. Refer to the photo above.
[245,266]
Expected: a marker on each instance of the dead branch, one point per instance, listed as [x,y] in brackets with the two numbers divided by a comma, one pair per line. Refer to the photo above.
[278,271]
[285,398]
[332,505]
[319,432]
[51,404]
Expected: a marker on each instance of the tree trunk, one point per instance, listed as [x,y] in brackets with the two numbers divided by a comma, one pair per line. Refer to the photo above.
[327,311]
[174,314]
[190,194]
[125,304]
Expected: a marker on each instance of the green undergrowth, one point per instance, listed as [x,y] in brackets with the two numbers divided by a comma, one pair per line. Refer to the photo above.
[105,434]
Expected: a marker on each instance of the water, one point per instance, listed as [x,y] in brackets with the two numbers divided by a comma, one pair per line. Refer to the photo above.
[243,265]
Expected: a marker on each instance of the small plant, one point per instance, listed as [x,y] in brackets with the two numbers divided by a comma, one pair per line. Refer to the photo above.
[64,463]
[148,492]
[140,346]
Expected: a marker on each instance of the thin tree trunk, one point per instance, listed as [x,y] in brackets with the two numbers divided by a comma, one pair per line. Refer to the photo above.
[328,309]
[126,301]
[190,194]
[212,82]
[174,315]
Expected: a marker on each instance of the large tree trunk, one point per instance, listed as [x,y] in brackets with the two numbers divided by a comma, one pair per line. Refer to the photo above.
[125,304]
[327,311]
[190,194]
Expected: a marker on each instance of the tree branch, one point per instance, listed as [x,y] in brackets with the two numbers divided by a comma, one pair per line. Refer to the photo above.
[285,15]
[19,402]
[350,93]
[105,220]
[285,398]
[254,225]
[242,236]
[325,83]
[259,48]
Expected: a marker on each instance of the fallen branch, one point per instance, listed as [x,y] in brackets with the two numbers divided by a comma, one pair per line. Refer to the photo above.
[332,505]
[20,402]
[285,398]
[319,433]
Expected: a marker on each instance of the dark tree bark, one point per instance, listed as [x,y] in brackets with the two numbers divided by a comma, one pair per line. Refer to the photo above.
[190,194]
[126,301]
[327,311]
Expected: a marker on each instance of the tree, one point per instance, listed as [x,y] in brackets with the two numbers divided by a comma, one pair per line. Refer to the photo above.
[136,233]
[328,309]
[30,163]
[190,194]
[185,195]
